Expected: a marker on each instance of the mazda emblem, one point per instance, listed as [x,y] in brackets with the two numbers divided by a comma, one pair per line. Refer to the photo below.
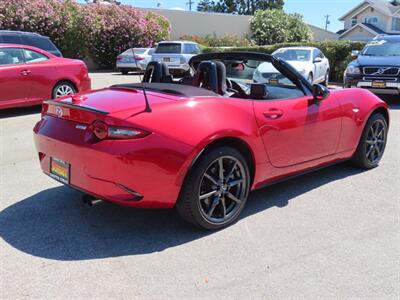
[59,111]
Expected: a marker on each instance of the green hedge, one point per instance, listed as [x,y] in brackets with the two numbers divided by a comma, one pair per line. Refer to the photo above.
[338,53]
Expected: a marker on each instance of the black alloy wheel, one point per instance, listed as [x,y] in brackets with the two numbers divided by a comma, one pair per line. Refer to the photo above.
[216,189]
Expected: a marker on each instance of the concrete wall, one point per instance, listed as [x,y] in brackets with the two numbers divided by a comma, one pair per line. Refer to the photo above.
[199,23]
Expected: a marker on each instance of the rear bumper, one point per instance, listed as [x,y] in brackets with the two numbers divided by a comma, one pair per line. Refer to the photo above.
[85,85]
[131,66]
[116,171]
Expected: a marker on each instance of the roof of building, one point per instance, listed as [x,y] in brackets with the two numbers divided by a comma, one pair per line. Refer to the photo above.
[386,7]
[374,28]
[371,28]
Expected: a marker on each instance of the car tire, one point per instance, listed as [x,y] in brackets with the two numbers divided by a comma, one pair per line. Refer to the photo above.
[372,143]
[62,89]
[310,78]
[124,72]
[213,199]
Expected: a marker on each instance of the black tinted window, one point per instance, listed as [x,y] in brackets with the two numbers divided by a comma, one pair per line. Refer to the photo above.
[168,48]
[191,49]
[10,39]
[39,42]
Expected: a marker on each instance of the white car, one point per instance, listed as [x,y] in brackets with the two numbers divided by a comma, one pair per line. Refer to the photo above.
[309,61]
[135,60]
[176,54]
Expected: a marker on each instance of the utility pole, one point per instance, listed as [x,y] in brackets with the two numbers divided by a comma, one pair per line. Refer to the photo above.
[327,22]
[190,3]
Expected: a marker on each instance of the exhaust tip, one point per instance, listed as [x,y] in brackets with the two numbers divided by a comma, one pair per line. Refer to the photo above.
[91,201]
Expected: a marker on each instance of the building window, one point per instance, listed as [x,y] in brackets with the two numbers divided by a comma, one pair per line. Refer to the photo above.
[353,22]
[371,20]
[396,24]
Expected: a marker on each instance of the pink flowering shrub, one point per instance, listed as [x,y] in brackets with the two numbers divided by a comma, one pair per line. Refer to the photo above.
[112,29]
[41,16]
[81,30]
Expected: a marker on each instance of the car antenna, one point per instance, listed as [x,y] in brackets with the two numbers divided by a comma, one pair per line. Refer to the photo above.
[147,108]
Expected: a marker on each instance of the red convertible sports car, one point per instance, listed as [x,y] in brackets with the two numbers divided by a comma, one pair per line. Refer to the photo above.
[28,75]
[201,143]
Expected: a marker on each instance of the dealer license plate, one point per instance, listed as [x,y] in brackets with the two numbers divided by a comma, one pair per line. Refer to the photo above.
[60,170]
[378,84]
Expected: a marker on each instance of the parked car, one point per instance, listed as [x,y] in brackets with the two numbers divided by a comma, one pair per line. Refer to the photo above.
[135,59]
[30,39]
[309,61]
[376,67]
[176,55]
[28,75]
[201,145]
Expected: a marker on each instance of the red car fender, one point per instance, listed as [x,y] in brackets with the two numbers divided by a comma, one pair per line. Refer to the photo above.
[357,106]
[201,147]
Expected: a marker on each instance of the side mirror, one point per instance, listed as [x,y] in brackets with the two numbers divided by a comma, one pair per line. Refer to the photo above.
[320,92]
[355,54]
[317,60]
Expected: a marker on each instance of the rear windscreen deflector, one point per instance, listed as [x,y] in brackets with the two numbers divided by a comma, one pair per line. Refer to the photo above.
[80,107]
[169,88]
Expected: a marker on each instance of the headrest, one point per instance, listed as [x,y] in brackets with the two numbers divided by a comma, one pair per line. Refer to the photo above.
[155,71]
[206,76]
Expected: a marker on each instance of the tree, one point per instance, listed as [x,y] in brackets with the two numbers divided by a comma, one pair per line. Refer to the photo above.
[206,5]
[275,26]
[241,7]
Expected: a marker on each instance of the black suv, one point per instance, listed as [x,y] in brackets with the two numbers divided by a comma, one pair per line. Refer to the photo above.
[30,39]
[377,66]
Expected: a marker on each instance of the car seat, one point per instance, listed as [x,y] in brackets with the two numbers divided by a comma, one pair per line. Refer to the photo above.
[206,76]
[157,72]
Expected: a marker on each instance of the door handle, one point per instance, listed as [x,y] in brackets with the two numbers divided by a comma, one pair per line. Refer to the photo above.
[273,113]
[25,72]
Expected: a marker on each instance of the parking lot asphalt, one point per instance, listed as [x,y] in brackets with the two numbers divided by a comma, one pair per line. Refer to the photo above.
[331,234]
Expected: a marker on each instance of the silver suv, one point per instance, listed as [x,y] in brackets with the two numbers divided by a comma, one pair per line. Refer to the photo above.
[176,54]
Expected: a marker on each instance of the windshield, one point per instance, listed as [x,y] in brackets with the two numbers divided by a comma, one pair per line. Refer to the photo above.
[293,54]
[244,74]
[382,48]
[168,48]
[254,71]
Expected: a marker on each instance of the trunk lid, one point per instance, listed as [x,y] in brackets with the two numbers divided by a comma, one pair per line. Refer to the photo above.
[115,103]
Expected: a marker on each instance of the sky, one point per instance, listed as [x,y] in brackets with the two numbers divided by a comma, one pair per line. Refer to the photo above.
[312,10]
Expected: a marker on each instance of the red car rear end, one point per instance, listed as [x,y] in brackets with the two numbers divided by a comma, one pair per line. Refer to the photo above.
[74,148]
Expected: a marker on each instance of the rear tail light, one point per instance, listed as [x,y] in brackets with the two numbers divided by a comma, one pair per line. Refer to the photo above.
[103,132]
[137,57]
[119,57]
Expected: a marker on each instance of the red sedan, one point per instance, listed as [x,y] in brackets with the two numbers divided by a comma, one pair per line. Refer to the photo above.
[203,142]
[28,75]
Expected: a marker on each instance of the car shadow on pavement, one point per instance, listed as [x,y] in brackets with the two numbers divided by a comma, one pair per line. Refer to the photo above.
[55,224]
[20,111]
